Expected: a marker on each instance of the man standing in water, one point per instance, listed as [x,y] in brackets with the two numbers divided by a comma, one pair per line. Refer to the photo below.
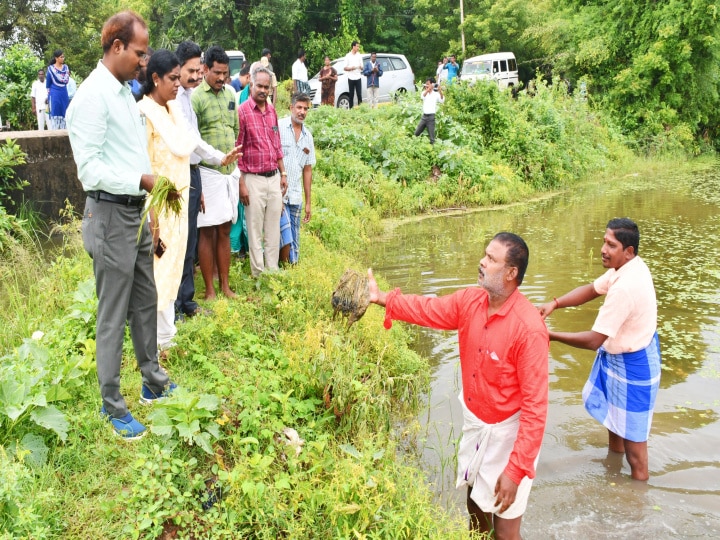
[504,360]
[621,390]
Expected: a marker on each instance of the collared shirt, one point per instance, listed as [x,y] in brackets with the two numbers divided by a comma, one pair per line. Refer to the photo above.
[259,137]
[504,360]
[373,79]
[629,314]
[299,71]
[203,151]
[430,102]
[107,135]
[40,93]
[354,60]
[217,119]
[296,155]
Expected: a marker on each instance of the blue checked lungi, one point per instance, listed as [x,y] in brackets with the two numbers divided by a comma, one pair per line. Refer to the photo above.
[285,233]
[621,390]
[296,215]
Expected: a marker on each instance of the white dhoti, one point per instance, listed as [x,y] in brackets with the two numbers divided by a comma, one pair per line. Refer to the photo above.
[483,454]
[221,194]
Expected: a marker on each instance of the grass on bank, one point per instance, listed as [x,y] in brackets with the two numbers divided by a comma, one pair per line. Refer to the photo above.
[219,463]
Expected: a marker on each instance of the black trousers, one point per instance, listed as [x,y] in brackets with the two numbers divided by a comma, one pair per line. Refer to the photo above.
[184,302]
[355,87]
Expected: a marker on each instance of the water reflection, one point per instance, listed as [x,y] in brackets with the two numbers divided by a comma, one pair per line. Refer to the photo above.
[581,491]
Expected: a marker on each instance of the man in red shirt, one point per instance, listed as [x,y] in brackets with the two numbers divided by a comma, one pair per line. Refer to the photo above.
[504,359]
[263,180]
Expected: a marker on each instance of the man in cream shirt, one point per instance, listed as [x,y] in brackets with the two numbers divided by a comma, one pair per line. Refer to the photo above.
[624,380]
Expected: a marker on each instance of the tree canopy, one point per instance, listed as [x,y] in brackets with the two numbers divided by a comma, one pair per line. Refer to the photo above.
[653,64]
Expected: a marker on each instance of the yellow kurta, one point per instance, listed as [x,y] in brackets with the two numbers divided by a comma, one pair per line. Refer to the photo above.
[169,147]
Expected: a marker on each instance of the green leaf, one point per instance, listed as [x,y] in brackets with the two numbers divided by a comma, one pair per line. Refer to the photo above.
[203,441]
[161,423]
[351,450]
[57,393]
[50,417]
[36,448]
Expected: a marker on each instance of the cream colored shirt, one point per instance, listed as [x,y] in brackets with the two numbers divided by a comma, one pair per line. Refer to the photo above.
[629,314]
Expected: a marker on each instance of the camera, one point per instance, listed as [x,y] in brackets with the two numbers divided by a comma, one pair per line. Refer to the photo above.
[435,87]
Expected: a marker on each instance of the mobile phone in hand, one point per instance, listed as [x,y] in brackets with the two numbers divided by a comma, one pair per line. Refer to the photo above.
[160,248]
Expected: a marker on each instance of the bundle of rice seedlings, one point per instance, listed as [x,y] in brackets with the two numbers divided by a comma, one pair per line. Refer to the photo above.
[163,199]
[351,297]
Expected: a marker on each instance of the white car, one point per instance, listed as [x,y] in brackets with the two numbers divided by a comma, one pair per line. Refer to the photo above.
[397,76]
[499,67]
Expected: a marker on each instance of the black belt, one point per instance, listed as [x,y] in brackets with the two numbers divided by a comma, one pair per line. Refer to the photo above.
[126,200]
[267,174]
[195,166]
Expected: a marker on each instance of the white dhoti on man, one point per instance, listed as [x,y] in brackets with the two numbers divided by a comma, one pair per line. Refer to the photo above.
[221,194]
[483,454]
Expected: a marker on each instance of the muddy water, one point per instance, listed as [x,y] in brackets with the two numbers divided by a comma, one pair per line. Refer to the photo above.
[580,491]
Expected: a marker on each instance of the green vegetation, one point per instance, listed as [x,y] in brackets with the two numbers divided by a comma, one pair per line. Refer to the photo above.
[284,424]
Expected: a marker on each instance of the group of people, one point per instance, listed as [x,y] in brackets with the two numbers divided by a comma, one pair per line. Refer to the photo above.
[51,92]
[189,129]
[504,345]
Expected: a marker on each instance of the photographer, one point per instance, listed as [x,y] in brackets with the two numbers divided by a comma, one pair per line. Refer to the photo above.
[432,95]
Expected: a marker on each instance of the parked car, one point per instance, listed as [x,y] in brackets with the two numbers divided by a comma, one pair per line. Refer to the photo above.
[499,67]
[236,60]
[397,76]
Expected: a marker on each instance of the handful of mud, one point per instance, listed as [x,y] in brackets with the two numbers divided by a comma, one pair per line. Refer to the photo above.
[351,297]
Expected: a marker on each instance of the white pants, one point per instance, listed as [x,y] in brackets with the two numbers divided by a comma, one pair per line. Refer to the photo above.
[43,120]
[482,457]
[166,329]
[373,94]
[263,221]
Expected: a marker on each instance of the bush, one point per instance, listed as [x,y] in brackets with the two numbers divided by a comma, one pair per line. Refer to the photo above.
[18,69]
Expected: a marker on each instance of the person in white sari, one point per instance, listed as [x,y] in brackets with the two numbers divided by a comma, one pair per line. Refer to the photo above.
[170,143]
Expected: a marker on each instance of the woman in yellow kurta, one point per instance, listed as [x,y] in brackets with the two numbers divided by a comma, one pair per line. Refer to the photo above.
[170,141]
[170,144]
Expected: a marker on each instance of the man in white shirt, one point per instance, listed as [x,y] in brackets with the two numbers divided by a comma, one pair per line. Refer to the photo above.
[431,96]
[354,67]
[300,74]
[189,54]
[39,99]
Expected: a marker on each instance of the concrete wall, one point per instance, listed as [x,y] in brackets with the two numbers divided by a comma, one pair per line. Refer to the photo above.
[50,169]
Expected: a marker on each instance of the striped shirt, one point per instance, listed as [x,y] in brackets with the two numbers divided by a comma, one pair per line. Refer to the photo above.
[296,155]
[259,138]
[217,119]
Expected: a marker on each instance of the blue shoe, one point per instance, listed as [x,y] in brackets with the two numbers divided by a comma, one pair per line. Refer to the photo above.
[148,397]
[126,427]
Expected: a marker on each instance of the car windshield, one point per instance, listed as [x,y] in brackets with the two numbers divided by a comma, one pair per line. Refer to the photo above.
[477,68]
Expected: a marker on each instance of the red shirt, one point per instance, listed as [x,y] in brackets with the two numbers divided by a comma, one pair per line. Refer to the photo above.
[259,137]
[504,360]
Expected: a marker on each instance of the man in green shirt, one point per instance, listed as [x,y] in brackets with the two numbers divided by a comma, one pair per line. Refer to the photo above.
[109,144]
[216,112]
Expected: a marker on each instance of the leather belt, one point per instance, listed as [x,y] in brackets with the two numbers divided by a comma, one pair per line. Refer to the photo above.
[126,200]
[267,174]
[194,166]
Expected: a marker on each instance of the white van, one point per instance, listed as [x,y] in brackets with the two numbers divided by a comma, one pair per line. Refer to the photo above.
[499,67]
[236,60]
[397,76]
